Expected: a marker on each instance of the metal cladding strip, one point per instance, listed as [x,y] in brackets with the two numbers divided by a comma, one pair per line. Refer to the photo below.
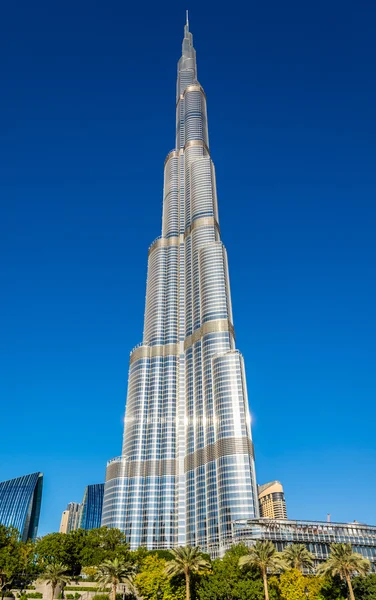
[191,88]
[199,143]
[223,447]
[209,327]
[164,242]
[201,222]
[172,154]
[141,468]
[151,351]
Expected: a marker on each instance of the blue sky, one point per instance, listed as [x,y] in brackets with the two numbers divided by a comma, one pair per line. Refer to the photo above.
[88,116]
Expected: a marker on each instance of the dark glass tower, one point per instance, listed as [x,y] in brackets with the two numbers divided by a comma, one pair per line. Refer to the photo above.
[187,466]
[91,507]
[20,502]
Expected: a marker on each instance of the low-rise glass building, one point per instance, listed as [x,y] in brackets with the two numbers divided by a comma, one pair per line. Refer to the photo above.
[315,535]
[20,502]
[91,507]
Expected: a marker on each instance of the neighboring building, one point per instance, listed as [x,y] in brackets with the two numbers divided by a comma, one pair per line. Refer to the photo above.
[272,500]
[187,465]
[316,535]
[70,518]
[20,502]
[91,507]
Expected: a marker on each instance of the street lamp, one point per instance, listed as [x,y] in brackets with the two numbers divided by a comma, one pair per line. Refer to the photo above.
[306,591]
[160,593]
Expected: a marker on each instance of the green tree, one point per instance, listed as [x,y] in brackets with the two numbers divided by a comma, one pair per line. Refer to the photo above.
[63,548]
[113,572]
[55,574]
[294,585]
[152,578]
[186,561]
[264,557]
[296,556]
[365,587]
[28,569]
[228,581]
[104,544]
[12,558]
[344,562]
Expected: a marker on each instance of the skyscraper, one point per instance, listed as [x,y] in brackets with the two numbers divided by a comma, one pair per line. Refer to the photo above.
[20,502]
[91,507]
[272,501]
[70,517]
[187,465]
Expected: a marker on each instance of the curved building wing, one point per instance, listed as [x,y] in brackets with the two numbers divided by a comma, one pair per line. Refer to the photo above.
[20,502]
[187,467]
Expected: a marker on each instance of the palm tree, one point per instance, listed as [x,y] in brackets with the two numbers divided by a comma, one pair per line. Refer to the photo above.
[265,557]
[114,572]
[187,560]
[56,574]
[296,556]
[344,562]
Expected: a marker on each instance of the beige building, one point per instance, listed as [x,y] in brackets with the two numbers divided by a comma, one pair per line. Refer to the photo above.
[70,518]
[272,500]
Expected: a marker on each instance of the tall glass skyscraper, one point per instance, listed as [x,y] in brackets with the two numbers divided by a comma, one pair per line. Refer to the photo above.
[20,502]
[91,507]
[187,467]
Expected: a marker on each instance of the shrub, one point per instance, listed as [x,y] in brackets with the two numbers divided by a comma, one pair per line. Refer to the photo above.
[101,597]
[34,595]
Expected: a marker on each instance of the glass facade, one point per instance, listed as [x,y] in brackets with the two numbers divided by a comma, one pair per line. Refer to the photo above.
[91,507]
[20,502]
[187,465]
[316,535]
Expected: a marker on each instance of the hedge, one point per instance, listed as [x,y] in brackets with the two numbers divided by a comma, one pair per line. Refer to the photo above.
[80,588]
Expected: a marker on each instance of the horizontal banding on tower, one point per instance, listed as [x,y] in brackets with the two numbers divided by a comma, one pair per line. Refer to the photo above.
[209,327]
[151,351]
[223,447]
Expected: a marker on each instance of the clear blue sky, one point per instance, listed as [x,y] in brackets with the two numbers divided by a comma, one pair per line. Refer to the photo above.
[87,116]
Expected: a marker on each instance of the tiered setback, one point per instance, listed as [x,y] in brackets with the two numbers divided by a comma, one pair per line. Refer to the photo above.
[187,468]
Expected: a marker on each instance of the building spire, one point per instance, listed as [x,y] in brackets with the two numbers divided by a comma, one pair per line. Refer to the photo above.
[186,27]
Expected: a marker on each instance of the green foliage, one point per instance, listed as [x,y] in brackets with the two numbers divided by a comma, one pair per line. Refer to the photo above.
[262,556]
[104,544]
[365,587]
[101,597]
[82,548]
[55,574]
[81,588]
[294,585]
[188,561]
[34,595]
[63,548]
[152,576]
[296,556]
[17,566]
[344,562]
[229,581]
[113,572]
